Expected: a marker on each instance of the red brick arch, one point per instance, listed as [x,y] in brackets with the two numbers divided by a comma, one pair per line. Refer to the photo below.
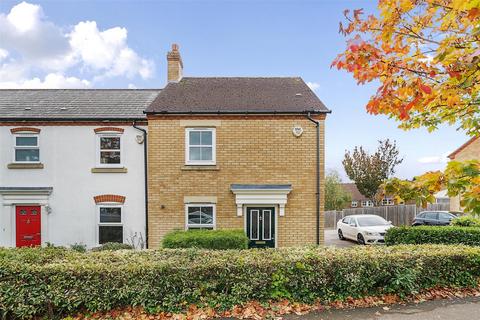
[25,129]
[108,129]
[109,198]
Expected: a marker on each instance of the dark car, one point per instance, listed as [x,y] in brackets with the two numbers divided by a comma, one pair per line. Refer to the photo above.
[433,218]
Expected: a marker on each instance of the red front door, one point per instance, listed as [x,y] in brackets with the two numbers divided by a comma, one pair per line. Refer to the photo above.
[28,226]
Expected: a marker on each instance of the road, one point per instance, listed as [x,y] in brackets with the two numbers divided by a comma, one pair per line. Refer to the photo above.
[448,309]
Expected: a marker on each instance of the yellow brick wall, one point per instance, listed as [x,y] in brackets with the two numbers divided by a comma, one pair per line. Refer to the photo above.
[470,152]
[250,150]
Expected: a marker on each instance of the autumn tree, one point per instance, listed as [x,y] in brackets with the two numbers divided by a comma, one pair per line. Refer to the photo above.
[369,171]
[459,178]
[425,56]
[336,198]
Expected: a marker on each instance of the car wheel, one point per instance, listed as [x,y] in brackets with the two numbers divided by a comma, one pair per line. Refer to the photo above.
[340,234]
[360,239]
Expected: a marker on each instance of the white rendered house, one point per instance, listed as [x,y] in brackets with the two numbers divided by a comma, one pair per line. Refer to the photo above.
[72,166]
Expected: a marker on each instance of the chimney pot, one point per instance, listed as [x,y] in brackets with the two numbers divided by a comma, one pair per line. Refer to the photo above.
[175,64]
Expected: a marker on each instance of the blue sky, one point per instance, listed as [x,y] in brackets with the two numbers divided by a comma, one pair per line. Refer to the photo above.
[117,44]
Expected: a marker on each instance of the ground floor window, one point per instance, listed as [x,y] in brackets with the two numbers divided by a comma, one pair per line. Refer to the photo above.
[200,216]
[110,226]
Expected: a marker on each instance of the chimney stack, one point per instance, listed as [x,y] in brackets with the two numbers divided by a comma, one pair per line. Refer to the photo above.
[175,64]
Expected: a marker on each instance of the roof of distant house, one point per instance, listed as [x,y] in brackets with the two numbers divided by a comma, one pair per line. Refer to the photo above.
[463,146]
[75,104]
[352,189]
[237,95]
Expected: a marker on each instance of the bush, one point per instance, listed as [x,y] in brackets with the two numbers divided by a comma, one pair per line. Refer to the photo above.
[206,239]
[113,246]
[466,221]
[61,282]
[433,235]
[79,247]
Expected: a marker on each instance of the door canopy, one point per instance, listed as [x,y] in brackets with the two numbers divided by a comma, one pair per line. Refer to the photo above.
[261,194]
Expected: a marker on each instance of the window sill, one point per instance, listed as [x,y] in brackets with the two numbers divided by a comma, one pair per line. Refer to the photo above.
[25,165]
[109,170]
[191,167]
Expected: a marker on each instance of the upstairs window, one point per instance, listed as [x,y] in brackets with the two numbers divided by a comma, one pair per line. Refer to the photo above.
[110,226]
[109,150]
[388,202]
[354,204]
[367,203]
[26,149]
[200,146]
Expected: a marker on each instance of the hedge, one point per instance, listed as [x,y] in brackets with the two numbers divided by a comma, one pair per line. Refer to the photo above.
[466,221]
[433,235]
[206,239]
[54,282]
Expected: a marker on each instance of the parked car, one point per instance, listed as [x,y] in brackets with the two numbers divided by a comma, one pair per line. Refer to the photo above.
[433,218]
[363,228]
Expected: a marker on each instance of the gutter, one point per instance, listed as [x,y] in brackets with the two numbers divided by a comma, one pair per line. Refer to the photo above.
[236,112]
[317,193]
[145,170]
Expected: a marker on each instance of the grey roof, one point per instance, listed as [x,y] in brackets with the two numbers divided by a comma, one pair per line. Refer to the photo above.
[74,104]
[261,187]
[237,95]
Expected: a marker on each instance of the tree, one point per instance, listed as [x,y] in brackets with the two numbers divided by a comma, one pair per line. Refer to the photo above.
[336,198]
[459,178]
[369,171]
[425,56]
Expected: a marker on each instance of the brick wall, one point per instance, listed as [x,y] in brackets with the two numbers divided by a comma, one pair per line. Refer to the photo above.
[470,152]
[250,150]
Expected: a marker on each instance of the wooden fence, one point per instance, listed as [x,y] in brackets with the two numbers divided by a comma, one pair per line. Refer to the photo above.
[399,215]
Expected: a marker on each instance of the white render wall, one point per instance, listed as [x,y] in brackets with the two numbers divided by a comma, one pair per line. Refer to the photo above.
[68,154]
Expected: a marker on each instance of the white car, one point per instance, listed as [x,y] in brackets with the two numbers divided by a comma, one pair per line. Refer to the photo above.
[363,228]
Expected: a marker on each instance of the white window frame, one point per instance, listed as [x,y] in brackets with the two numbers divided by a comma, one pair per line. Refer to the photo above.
[387,202]
[110,224]
[187,148]
[98,150]
[15,147]
[354,204]
[199,226]
[367,203]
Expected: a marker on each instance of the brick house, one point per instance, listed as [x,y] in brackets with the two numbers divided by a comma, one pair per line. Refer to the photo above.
[358,200]
[243,153]
[72,166]
[470,150]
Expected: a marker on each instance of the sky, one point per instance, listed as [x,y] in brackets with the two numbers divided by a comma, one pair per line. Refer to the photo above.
[123,44]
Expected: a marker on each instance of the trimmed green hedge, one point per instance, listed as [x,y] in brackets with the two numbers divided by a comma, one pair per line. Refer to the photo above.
[466,221]
[206,239]
[113,246]
[433,235]
[46,282]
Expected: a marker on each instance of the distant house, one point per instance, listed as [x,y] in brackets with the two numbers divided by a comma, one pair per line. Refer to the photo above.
[470,150]
[360,201]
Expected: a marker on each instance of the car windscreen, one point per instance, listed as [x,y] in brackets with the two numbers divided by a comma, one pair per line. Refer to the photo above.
[371,221]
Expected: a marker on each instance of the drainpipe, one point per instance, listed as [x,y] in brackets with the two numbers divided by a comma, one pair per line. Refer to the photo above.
[145,170]
[317,193]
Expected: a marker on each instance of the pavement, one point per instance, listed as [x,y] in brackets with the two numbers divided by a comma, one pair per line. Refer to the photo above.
[447,309]
[331,240]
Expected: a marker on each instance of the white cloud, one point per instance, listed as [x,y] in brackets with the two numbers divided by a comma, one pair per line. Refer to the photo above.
[51,81]
[33,46]
[132,86]
[313,85]
[434,159]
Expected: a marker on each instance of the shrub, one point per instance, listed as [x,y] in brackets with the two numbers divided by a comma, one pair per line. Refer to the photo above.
[466,221]
[206,239]
[434,235]
[79,247]
[61,282]
[113,246]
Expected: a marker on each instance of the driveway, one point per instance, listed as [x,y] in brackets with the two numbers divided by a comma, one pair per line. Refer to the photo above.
[448,309]
[331,240]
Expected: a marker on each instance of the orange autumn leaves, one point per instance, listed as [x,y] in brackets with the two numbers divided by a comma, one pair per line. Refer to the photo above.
[424,54]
